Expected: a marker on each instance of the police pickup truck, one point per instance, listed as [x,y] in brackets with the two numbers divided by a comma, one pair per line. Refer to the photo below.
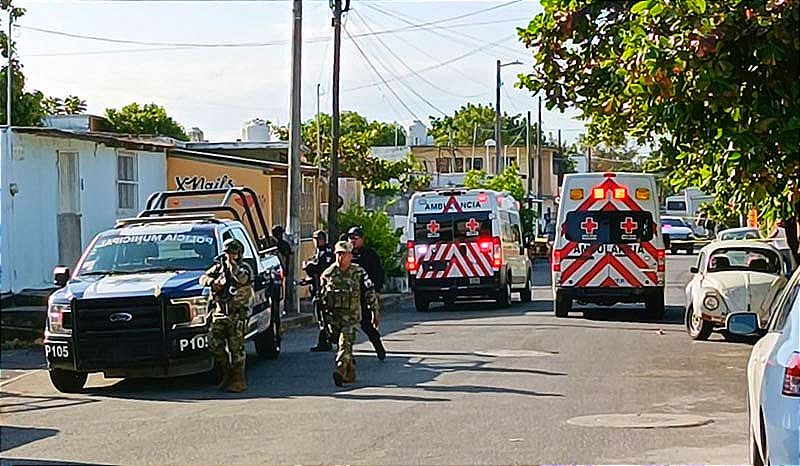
[133,306]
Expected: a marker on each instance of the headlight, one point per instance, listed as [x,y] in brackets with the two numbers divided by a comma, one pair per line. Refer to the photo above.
[198,310]
[59,319]
[711,302]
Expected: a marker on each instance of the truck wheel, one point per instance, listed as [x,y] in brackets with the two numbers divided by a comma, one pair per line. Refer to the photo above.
[696,327]
[673,250]
[421,303]
[690,250]
[562,305]
[504,294]
[525,294]
[654,306]
[68,381]
[268,342]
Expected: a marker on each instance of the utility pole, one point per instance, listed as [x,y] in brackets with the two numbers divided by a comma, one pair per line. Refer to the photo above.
[293,209]
[539,148]
[528,152]
[9,73]
[589,159]
[333,175]
[498,129]
[319,131]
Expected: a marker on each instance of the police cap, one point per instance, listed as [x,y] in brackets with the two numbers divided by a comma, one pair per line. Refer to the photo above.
[355,231]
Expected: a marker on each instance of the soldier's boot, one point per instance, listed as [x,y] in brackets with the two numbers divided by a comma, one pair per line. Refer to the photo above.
[339,374]
[225,370]
[323,343]
[350,373]
[238,382]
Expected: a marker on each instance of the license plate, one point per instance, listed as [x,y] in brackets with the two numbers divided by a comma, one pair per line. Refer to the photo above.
[474,281]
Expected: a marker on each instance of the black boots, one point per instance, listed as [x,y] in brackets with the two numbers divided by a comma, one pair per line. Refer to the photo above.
[323,343]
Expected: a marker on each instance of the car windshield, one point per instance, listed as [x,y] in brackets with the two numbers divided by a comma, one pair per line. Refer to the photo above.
[119,253]
[739,235]
[744,259]
[673,222]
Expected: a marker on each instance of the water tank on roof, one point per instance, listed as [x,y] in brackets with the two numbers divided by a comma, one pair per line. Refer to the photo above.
[417,134]
[255,131]
[196,135]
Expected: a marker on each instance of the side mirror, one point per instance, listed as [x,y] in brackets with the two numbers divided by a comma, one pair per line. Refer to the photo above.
[743,323]
[61,276]
[694,269]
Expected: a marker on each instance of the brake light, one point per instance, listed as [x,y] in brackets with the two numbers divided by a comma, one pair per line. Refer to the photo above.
[661,258]
[497,253]
[485,245]
[556,261]
[609,174]
[619,193]
[598,193]
[411,261]
[791,378]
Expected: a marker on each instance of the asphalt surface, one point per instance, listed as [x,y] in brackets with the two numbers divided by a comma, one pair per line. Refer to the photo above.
[465,385]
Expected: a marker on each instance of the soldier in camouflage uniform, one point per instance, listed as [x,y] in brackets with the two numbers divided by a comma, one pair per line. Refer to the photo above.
[231,281]
[345,286]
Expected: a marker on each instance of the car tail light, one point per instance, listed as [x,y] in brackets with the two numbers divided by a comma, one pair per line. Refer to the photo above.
[791,378]
[556,261]
[661,258]
[497,253]
[411,261]
[485,245]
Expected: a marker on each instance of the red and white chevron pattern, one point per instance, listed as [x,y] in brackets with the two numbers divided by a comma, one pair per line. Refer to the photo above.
[464,260]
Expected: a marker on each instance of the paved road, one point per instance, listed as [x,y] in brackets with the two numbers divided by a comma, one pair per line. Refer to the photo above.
[469,385]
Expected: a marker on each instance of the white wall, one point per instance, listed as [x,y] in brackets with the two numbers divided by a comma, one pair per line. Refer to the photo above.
[32,249]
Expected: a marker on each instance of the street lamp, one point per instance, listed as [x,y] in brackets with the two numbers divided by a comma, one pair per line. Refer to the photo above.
[499,163]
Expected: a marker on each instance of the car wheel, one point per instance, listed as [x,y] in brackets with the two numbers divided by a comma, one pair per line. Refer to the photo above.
[562,305]
[696,327]
[504,294]
[690,250]
[526,293]
[268,342]
[68,381]
[421,303]
[673,250]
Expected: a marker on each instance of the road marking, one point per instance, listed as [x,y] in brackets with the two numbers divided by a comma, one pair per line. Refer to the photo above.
[21,376]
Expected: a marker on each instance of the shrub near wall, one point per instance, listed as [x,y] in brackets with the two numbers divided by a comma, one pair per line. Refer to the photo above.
[379,235]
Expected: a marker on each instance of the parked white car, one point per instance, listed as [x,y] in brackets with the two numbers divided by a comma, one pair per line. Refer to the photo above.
[732,276]
[739,233]
[773,380]
[677,234]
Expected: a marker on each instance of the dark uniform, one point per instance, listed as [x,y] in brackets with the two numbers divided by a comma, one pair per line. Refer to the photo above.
[321,260]
[371,262]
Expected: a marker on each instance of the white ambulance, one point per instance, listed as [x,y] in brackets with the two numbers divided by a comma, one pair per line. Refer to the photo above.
[466,243]
[608,247]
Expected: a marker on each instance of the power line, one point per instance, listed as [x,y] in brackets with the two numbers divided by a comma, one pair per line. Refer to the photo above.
[375,70]
[406,66]
[438,65]
[437,31]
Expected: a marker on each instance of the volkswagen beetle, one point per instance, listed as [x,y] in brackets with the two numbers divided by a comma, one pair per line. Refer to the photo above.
[730,277]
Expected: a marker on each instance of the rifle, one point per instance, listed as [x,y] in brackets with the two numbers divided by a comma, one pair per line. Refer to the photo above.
[227,292]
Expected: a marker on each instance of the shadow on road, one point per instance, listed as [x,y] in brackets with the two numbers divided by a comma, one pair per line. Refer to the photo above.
[13,402]
[673,315]
[23,359]
[13,437]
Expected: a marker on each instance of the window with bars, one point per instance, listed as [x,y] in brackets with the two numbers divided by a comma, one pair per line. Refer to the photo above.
[127,181]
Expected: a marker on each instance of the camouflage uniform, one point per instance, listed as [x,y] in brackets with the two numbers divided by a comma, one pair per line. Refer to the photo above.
[342,294]
[229,316]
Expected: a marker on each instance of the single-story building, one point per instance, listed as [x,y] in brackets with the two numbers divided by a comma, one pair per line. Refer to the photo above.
[62,187]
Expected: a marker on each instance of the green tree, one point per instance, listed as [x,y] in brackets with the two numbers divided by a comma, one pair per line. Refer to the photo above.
[378,235]
[358,135]
[475,123]
[26,106]
[507,181]
[72,105]
[714,86]
[144,119]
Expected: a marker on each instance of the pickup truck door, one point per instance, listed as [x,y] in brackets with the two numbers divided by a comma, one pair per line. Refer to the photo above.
[261,299]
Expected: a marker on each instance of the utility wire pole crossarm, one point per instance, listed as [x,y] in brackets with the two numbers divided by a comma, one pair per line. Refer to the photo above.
[293,209]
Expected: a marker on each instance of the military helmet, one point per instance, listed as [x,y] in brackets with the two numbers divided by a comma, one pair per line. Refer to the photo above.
[343,247]
[233,245]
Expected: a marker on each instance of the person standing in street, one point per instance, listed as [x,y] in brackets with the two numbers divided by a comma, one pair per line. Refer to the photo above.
[346,290]
[318,263]
[231,282]
[371,262]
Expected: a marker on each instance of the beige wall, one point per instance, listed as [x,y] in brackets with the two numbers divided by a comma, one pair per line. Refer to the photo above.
[461,159]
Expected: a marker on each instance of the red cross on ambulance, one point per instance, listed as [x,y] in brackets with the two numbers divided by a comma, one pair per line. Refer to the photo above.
[589,225]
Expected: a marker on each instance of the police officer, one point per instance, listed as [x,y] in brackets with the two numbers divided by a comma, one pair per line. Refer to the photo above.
[231,281]
[321,260]
[369,261]
[346,290]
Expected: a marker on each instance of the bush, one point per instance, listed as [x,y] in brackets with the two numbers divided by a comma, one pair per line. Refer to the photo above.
[378,235]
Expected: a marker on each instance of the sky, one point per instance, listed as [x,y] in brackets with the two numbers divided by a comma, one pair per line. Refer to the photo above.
[434,56]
